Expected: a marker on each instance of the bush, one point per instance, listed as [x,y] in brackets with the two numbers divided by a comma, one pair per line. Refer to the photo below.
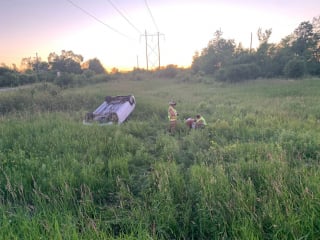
[169,72]
[64,80]
[27,78]
[239,72]
[99,78]
[88,73]
[313,68]
[295,68]
[9,79]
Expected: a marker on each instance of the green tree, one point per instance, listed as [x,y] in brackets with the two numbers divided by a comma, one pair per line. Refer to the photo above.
[314,64]
[26,63]
[306,45]
[304,40]
[217,54]
[8,77]
[283,54]
[42,66]
[34,66]
[243,56]
[263,37]
[196,64]
[68,62]
[265,53]
[95,66]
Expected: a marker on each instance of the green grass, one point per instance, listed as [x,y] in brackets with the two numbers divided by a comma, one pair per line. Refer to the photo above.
[253,173]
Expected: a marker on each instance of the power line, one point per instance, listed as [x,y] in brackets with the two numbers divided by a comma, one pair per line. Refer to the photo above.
[131,24]
[97,19]
[154,22]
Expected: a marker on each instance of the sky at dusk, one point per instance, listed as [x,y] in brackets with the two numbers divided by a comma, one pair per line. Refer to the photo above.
[113,31]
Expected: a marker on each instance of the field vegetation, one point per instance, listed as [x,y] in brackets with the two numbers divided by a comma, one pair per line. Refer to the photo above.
[252,173]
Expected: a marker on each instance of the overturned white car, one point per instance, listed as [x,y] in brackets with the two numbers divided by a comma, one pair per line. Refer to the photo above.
[114,110]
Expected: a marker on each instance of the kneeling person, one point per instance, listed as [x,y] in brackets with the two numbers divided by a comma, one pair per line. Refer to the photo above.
[200,121]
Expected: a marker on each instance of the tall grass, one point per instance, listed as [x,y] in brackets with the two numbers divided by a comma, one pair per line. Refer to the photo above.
[253,173]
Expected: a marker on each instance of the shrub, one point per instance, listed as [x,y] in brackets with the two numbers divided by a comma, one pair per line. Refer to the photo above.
[99,78]
[169,72]
[9,79]
[88,73]
[295,68]
[239,72]
[27,78]
[64,80]
[313,68]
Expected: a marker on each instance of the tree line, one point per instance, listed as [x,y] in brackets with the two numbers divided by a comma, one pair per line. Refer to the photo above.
[65,69]
[295,56]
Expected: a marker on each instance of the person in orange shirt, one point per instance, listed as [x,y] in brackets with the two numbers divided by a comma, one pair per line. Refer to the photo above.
[172,116]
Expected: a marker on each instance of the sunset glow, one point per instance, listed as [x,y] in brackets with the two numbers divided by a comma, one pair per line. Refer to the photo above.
[96,29]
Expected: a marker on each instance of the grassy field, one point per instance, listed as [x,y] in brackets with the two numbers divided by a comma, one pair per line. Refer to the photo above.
[252,173]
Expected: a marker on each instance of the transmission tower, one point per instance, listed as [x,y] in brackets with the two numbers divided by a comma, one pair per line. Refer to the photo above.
[153,50]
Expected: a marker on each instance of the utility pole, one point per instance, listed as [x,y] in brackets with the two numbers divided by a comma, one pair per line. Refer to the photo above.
[37,66]
[147,49]
[158,51]
[250,42]
[137,62]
